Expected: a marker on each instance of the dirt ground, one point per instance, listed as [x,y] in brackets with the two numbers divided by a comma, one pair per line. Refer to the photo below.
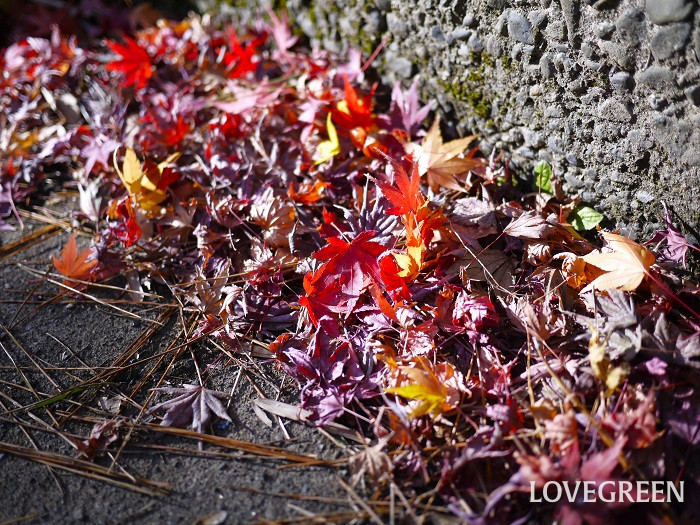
[68,339]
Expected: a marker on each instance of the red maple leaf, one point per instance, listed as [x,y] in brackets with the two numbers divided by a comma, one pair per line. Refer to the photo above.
[396,286]
[323,300]
[355,111]
[239,58]
[405,193]
[135,63]
[350,268]
[351,263]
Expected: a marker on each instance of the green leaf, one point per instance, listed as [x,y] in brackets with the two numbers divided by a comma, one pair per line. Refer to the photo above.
[543,176]
[584,218]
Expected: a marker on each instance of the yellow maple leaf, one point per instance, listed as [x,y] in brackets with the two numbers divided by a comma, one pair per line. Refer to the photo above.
[428,387]
[327,149]
[624,267]
[144,185]
[411,262]
[611,375]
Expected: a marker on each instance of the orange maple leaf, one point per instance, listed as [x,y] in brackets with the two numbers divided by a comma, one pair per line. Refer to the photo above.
[74,265]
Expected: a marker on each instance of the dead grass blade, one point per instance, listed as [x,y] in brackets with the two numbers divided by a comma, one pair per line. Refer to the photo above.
[87,469]
[244,446]
[27,241]
[28,517]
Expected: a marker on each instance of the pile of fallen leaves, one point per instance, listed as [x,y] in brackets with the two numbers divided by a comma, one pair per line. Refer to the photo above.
[473,327]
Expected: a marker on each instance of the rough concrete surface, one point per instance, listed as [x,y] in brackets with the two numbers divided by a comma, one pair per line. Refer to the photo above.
[608,91]
[201,486]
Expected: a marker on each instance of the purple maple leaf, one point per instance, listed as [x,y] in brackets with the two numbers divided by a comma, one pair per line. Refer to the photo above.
[406,112]
[194,403]
[676,247]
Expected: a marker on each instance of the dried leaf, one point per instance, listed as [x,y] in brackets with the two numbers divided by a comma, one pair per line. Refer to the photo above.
[625,266]
[194,404]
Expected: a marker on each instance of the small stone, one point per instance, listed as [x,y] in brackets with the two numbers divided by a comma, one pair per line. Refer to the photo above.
[437,34]
[469,20]
[620,81]
[574,183]
[524,151]
[555,144]
[669,40]
[493,46]
[532,138]
[546,67]
[538,17]
[644,197]
[693,94]
[568,9]
[666,11]
[593,65]
[573,159]
[384,5]
[604,30]
[395,25]
[461,33]
[656,77]
[475,43]
[615,111]
[631,25]
[402,66]
[520,28]
[536,90]
[555,30]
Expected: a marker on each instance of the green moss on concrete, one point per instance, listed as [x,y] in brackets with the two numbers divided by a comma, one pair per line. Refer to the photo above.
[475,99]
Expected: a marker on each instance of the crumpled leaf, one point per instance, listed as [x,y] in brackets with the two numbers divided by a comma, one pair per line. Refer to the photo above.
[147,184]
[328,149]
[436,389]
[676,245]
[611,375]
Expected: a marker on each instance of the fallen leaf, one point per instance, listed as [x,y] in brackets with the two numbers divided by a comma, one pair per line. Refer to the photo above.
[76,266]
[328,149]
[146,184]
[135,63]
[584,218]
[530,225]
[625,266]
[440,162]
[193,404]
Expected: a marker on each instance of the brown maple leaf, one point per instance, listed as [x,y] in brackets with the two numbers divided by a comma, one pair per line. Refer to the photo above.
[76,266]
[441,162]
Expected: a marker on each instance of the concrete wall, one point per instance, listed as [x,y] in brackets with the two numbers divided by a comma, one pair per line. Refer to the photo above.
[607,91]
